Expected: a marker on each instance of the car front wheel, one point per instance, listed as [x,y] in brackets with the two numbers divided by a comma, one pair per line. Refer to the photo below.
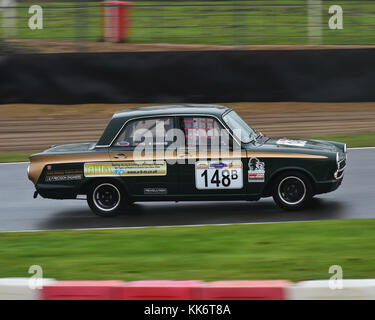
[292,191]
[105,199]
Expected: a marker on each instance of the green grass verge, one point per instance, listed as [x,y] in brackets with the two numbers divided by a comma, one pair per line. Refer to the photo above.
[352,140]
[293,251]
[203,22]
[14,157]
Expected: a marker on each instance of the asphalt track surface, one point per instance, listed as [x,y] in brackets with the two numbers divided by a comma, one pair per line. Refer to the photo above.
[20,212]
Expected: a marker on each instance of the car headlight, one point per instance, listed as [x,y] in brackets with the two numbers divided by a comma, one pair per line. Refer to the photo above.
[345,148]
[337,165]
[28,171]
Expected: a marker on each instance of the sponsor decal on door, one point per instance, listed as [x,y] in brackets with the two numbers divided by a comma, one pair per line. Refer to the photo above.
[131,168]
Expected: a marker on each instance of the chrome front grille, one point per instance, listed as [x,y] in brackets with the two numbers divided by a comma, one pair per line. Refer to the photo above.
[341,165]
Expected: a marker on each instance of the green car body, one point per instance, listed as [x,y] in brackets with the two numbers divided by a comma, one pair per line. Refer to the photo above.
[66,171]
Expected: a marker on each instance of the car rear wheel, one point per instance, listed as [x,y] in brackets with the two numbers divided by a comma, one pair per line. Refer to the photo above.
[105,199]
[292,191]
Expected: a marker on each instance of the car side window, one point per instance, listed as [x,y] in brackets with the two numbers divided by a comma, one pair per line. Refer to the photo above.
[148,132]
[204,131]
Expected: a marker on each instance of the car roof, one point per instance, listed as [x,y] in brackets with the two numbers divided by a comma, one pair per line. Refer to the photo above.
[212,109]
[122,116]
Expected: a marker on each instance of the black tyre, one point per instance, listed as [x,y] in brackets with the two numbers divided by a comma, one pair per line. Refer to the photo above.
[292,190]
[106,199]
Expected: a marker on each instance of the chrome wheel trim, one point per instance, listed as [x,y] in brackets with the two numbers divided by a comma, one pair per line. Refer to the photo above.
[282,197]
[98,204]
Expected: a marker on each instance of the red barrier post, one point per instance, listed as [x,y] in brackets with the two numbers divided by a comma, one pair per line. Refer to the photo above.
[116,20]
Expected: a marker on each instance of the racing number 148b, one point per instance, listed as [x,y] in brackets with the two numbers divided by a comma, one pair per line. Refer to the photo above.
[226,177]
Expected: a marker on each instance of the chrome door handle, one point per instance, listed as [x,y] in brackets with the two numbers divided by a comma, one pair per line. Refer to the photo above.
[120,156]
[184,155]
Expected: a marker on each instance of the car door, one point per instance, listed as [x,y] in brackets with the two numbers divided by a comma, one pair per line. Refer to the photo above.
[138,154]
[214,162]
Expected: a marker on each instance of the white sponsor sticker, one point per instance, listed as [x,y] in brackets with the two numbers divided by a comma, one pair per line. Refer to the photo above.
[224,174]
[155,190]
[292,143]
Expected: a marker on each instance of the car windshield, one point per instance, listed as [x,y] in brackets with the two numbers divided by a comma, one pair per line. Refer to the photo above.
[239,127]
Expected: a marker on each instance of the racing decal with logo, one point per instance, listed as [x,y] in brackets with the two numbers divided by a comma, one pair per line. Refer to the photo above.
[256,170]
[291,143]
[202,165]
[123,143]
[132,168]
[63,175]
[218,165]
[155,190]
[67,177]
[225,174]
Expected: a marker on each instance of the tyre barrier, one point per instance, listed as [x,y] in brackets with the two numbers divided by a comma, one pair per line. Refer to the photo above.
[319,75]
[19,289]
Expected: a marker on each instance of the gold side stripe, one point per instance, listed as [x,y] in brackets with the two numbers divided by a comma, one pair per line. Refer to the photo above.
[39,162]
[284,155]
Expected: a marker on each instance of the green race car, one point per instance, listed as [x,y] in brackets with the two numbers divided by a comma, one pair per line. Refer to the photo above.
[186,153]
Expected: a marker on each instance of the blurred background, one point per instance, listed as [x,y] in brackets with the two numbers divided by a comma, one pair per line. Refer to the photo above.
[79,25]
[276,62]
[282,94]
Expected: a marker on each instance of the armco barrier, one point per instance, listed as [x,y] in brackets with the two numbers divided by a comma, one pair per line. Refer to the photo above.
[83,290]
[245,290]
[320,290]
[20,289]
[342,75]
[163,290]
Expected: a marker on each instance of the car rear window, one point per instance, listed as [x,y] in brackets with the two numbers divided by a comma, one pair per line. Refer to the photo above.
[135,132]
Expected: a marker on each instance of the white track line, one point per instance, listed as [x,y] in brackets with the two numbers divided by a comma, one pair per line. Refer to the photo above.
[146,227]
[359,148]
[4,163]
